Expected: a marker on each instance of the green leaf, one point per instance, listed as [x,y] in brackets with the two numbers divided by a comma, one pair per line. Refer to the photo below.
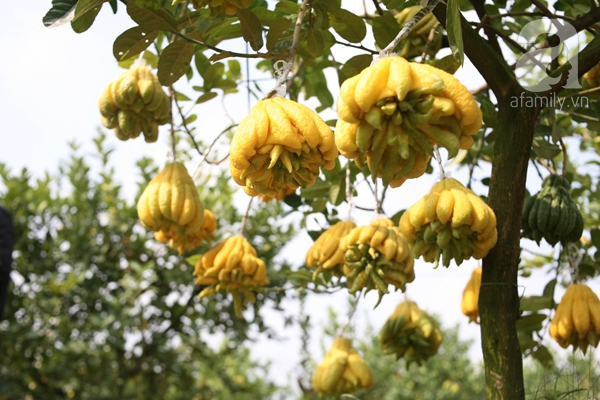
[329,5]
[535,303]
[319,189]
[293,200]
[58,13]
[595,237]
[84,6]
[85,21]
[385,29]
[354,66]
[181,97]
[206,97]
[277,28]
[545,358]
[175,61]
[219,56]
[337,191]
[448,64]
[545,149]
[549,289]
[348,25]
[532,322]
[453,27]
[287,7]
[315,42]
[151,18]
[192,260]
[132,42]
[251,28]
[150,58]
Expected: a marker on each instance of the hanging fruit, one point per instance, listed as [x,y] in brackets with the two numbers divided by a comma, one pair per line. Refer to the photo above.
[326,254]
[452,222]
[591,79]
[577,319]
[189,241]
[552,214]
[414,44]
[394,112]
[280,146]
[171,207]
[410,333]
[342,370]
[376,256]
[470,299]
[231,266]
[135,103]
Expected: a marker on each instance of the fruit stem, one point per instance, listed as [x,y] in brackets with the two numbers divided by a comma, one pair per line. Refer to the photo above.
[245,219]
[350,315]
[438,158]
[349,190]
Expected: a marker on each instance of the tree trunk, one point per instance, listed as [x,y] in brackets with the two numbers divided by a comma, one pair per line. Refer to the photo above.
[499,297]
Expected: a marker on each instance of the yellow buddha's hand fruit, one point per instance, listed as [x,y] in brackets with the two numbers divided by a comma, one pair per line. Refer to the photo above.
[410,333]
[342,370]
[190,241]
[376,256]
[591,79]
[394,112]
[470,299]
[577,319]
[231,266]
[135,103]
[280,146]
[450,222]
[326,254]
[171,207]
[414,44]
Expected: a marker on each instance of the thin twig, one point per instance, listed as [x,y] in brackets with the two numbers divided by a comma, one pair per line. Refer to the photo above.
[364,208]
[356,46]
[410,24]
[432,33]
[565,155]
[173,138]
[352,311]
[245,219]
[231,53]
[209,148]
[349,189]
[544,164]
[185,127]
[538,170]
[587,91]
[378,7]
[438,158]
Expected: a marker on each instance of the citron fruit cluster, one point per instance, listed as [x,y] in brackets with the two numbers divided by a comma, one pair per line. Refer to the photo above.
[377,255]
[591,79]
[220,8]
[342,370]
[280,146]
[410,333]
[325,254]
[231,266]
[190,241]
[171,207]
[552,214]
[452,222]
[577,319]
[394,112]
[414,44]
[135,103]
[470,299]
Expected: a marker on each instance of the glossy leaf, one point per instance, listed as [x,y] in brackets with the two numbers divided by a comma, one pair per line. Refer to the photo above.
[206,97]
[354,66]
[277,28]
[532,322]
[151,18]
[174,61]
[85,21]
[453,27]
[85,6]
[315,42]
[251,28]
[133,41]
[348,25]
[59,13]
[385,29]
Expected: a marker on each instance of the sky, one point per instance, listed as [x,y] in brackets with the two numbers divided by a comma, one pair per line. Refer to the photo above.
[50,82]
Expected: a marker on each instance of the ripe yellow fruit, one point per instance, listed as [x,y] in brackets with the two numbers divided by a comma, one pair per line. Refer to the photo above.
[325,254]
[342,370]
[577,319]
[394,112]
[135,103]
[415,42]
[189,241]
[450,222]
[470,299]
[410,333]
[171,207]
[280,146]
[231,266]
[376,256]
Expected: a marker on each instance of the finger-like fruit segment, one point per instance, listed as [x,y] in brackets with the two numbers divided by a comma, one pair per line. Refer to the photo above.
[134,103]
[280,146]
[342,370]
[232,266]
[449,223]
[470,298]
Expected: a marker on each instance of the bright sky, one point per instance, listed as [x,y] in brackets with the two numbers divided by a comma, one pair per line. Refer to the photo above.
[50,81]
